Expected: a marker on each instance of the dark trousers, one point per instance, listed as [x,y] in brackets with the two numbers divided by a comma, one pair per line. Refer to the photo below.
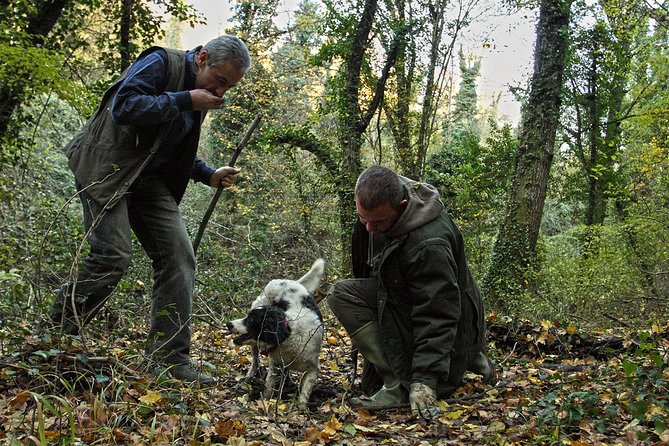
[153,215]
[354,303]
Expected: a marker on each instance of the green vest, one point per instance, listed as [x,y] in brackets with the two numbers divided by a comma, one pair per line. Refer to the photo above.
[105,157]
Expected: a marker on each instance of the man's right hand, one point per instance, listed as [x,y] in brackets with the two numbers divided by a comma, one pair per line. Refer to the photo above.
[204,100]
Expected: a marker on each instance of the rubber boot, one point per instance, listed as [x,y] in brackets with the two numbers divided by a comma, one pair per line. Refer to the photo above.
[482,365]
[369,343]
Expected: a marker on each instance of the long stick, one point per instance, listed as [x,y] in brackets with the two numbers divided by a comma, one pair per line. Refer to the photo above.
[219,190]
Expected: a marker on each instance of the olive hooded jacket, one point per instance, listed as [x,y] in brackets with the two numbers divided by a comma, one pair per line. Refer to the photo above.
[429,306]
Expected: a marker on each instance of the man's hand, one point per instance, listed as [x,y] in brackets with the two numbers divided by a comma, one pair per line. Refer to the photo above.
[423,399]
[205,100]
[223,176]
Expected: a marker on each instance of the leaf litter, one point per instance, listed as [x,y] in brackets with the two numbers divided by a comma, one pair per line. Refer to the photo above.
[556,385]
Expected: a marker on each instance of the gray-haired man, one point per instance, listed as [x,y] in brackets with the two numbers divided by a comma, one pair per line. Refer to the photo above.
[132,162]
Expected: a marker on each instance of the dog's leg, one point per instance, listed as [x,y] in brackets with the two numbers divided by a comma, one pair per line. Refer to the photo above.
[270,380]
[255,363]
[307,386]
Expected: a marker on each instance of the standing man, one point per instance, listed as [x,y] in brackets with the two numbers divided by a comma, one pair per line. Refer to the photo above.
[418,316]
[132,162]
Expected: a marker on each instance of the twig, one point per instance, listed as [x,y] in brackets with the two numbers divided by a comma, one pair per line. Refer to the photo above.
[102,360]
[219,190]
[509,355]
[616,320]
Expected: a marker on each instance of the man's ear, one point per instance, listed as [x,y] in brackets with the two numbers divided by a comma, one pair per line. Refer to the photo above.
[201,58]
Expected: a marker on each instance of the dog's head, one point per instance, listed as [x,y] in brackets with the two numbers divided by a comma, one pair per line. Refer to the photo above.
[265,327]
[280,292]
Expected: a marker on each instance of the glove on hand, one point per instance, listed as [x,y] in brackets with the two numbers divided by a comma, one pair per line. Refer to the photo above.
[424,400]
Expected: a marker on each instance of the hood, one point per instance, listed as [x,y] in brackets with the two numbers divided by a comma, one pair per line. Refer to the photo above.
[424,205]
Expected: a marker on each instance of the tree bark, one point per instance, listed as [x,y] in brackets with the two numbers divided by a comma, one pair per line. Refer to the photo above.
[126,26]
[514,252]
[354,121]
[39,26]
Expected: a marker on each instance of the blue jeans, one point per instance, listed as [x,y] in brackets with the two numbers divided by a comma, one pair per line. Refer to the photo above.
[153,215]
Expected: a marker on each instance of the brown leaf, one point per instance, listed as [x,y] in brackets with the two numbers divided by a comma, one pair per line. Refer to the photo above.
[19,401]
[226,429]
[312,434]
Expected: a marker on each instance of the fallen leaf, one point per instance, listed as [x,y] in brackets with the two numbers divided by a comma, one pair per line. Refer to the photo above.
[150,398]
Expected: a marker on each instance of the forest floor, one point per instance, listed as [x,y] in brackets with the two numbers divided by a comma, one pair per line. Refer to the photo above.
[556,385]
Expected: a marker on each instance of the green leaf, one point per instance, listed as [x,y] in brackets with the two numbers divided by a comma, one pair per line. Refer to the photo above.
[629,367]
[350,429]
[101,379]
[639,409]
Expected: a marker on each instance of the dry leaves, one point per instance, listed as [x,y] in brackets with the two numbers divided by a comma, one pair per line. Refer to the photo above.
[549,393]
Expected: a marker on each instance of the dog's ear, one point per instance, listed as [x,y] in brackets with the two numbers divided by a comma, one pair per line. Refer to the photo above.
[312,279]
[275,328]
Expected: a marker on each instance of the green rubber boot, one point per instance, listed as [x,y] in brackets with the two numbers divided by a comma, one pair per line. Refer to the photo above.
[368,341]
[482,365]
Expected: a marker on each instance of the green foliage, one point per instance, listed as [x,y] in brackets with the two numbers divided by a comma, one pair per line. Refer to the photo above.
[40,227]
[472,178]
[464,120]
[600,63]
[591,271]
[646,398]
[27,73]
[95,26]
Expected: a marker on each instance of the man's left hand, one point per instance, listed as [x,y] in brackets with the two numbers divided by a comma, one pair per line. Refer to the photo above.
[423,399]
[223,176]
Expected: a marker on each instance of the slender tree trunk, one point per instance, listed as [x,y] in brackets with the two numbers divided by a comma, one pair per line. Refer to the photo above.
[353,121]
[126,26]
[397,111]
[39,26]
[514,253]
[428,110]
[350,133]
[594,192]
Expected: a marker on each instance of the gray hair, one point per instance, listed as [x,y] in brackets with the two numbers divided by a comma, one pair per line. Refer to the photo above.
[378,185]
[228,48]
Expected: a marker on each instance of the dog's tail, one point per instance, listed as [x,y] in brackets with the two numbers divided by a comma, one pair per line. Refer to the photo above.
[312,279]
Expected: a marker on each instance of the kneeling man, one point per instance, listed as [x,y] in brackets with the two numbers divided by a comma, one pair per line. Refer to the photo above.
[417,315]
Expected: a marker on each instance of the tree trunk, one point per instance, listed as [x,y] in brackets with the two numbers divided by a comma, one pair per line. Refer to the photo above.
[514,253]
[397,110]
[39,26]
[428,109]
[126,26]
[353,121]
[350,133]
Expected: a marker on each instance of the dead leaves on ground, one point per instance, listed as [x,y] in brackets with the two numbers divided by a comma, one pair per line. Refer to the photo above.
[557,386]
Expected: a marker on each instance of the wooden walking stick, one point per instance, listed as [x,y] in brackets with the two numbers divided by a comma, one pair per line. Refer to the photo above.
[219,190]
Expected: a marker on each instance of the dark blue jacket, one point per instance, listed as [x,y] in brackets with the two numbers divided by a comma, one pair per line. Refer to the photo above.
[145,125]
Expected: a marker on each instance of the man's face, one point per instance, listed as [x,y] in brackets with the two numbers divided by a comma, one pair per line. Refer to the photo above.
[217,80]
[381,218]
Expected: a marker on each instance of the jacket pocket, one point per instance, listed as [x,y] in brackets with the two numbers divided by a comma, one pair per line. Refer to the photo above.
[397,289]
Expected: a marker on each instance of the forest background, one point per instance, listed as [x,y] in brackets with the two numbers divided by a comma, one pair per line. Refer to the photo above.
[564,212]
